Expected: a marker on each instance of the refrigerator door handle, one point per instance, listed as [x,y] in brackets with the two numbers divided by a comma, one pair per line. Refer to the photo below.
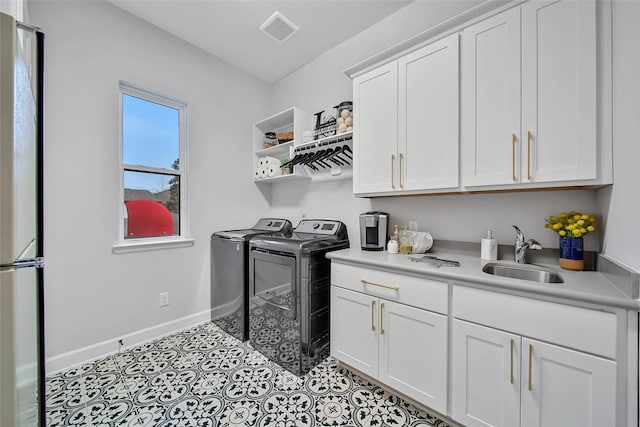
[37,262]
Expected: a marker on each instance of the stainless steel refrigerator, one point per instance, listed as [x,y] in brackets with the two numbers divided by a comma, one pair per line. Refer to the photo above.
[21,243]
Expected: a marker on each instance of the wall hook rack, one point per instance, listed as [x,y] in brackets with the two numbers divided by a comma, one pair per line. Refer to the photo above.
[330,153]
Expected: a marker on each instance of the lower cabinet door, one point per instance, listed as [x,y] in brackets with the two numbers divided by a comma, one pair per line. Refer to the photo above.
[562,387]
[485,376]
[413,353]
[354,330]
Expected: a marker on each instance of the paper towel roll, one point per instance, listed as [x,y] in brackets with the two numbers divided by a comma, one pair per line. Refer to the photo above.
[274,171]
[271,161]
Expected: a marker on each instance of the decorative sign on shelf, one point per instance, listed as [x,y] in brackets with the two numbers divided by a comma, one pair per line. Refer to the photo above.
[324,126]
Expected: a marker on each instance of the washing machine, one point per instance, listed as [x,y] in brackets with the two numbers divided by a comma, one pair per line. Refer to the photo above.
[229,274]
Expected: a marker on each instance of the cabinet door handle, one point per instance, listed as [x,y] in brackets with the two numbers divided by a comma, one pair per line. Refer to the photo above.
[393,161]
[400,170]
[513,156]
[511,365]
[530,363]
[366,282]
[373,310]
[381,326]
[529,154]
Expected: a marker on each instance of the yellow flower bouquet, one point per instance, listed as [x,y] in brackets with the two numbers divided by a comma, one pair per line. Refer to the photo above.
[571,224]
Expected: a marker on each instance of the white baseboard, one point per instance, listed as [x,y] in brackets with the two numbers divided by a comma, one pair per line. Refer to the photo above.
[95,351]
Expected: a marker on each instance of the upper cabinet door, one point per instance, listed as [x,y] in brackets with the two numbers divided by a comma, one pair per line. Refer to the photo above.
[559,120]
[375,130]
[428,136]
[490,92]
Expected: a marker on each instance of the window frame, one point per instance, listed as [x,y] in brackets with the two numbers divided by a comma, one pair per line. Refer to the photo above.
[151,243]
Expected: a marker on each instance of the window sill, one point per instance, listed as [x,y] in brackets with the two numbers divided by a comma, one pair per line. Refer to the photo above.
[142,246]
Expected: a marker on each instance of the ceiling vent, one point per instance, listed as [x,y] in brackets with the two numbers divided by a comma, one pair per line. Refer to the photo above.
[279,27]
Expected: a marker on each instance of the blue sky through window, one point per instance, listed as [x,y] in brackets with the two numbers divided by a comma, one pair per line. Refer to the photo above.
[150,137]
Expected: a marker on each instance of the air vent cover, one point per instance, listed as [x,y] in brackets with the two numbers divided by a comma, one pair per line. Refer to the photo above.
[279,27]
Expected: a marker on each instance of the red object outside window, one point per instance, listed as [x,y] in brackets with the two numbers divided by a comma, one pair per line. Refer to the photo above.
[147,218]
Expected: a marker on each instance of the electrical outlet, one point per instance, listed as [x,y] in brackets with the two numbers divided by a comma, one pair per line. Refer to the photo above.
[164,299]
[413,225]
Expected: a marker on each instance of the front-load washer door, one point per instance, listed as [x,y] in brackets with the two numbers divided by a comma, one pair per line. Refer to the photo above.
[272,280]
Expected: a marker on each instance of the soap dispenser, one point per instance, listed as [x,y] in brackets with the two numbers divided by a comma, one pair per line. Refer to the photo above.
[489,247]
[392,246]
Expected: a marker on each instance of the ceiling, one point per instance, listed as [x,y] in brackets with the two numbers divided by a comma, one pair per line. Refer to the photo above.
[229,29]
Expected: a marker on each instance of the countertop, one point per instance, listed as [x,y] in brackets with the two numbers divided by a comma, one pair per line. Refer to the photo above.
[579,286]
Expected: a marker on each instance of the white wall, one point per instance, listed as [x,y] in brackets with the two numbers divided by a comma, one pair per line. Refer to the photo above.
[91,294]
[321,85]
[623,200]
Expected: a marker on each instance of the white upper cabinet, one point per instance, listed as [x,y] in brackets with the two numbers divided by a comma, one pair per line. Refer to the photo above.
[428,117]
[546,51]
[406,113]
[375,134]
[559,117]
[490,104]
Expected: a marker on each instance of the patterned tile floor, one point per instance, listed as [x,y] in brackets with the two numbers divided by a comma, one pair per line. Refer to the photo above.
[202,377]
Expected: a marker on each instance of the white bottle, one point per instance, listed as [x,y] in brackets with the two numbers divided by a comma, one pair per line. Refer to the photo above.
[489,247]
[392,246]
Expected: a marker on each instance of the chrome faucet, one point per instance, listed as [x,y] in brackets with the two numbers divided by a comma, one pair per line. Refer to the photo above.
[522,246]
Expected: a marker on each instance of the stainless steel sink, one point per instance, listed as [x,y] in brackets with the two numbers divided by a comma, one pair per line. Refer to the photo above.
[529,272]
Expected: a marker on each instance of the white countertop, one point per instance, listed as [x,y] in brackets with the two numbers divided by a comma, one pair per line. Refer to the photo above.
[579,286]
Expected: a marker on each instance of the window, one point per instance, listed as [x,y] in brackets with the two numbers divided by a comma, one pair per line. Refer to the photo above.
[153,162]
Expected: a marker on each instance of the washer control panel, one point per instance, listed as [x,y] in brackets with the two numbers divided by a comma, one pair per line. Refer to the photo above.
[318,226]
[272,224]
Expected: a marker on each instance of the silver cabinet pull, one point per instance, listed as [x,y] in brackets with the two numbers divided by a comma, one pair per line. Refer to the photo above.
[366,282]
[381,326]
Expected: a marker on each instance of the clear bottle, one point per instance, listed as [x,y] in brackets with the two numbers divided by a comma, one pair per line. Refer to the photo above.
[406,245]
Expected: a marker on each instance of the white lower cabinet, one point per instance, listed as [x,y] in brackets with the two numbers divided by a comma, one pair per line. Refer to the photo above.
[566,387]
[401,346]
[354,337]
[502,379]
[485,376]
[482,357]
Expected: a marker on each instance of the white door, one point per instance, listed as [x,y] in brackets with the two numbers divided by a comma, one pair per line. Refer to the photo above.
[413,353]
[428,136]
[490,93]
[354,330]
[485,376]
[562,387]
[375,130]
[559,120]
